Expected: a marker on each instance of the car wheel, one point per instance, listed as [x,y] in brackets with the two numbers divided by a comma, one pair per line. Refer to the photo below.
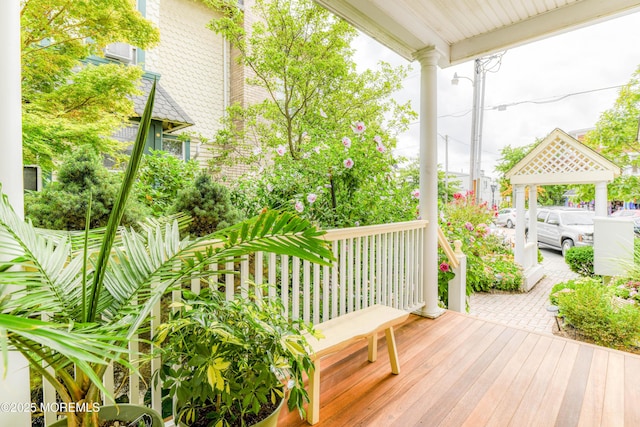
[566,245]
[509,223]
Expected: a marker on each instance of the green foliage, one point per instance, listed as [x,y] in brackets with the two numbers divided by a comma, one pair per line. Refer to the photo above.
[66,102]
[303,62]
[580,260]
[615,137]
[209,205]
[590,308]
[225,360]
[560,288]
[82,180]
[161,177]
[99,287]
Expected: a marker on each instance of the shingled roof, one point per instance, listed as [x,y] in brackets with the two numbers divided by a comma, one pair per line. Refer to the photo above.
[165,108]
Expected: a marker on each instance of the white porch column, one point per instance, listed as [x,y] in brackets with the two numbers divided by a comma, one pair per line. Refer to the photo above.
[14,388]
[11,104]
[519,238]
[428,59]
[601,199]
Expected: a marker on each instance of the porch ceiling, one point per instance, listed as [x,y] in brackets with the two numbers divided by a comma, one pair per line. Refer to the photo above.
[466,29]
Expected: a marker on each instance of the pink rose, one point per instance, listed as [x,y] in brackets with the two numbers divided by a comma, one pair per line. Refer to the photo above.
[281,149]
[416,193]
[348,163]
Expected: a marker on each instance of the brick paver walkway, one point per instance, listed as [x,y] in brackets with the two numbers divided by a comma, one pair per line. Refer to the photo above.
[526,310]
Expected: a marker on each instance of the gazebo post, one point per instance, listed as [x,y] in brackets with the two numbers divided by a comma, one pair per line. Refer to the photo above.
[601,198]
[533,223]
[520,226]
[428,59]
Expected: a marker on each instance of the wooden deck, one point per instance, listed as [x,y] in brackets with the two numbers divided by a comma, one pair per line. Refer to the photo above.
[461,371]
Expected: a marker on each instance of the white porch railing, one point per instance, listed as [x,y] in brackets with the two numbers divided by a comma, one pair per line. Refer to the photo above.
[377,264]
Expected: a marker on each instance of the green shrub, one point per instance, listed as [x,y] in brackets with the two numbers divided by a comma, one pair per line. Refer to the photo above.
[580,260]
[561,287]
[82,177]
[161,177]
[209,205]
[590,309]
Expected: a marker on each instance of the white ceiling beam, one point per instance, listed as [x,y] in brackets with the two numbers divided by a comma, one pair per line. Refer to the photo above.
[570,17]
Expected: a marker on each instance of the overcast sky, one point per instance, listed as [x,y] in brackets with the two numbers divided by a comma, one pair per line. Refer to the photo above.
[586,59]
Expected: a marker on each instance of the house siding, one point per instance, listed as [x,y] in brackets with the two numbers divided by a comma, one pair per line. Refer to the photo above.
[190,62]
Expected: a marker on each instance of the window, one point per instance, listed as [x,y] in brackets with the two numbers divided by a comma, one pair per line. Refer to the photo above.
[174,147]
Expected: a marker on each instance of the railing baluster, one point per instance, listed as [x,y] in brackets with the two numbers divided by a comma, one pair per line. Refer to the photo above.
[306,291]
[358,272]
[284,284]
[272,266]
[295,288]
[317,284]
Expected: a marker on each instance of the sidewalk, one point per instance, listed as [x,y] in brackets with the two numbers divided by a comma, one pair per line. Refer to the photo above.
[526,310]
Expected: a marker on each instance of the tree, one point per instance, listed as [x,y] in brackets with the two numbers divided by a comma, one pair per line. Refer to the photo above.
[324,132]
[67,101]
[615,137]
[82,180]
[209,205]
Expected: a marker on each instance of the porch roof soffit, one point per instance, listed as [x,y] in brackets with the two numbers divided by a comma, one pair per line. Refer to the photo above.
[561,159]
[462,30]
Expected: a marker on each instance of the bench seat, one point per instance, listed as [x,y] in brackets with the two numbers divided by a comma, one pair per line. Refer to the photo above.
[341,332]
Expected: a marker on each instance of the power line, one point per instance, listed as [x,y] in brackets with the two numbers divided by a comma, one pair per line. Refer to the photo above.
[547,100]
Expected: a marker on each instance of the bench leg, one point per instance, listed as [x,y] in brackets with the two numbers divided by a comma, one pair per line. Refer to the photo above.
[393,351]
[313,409]
[373,347]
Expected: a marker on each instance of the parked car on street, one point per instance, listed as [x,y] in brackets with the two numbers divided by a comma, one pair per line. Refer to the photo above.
[506,218]
[563,228]
[633,213]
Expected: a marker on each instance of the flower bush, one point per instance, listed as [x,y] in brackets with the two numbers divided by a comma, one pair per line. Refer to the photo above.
[336,181]
[490,263]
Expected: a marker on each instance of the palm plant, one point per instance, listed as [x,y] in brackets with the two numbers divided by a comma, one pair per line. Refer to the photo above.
[97,292]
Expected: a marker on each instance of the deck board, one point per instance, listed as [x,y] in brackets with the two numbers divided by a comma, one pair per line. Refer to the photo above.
[458,370]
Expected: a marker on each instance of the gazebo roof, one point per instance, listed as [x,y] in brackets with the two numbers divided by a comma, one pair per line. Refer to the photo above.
[562,159]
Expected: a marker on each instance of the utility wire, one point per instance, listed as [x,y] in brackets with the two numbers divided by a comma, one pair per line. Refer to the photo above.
[532,101]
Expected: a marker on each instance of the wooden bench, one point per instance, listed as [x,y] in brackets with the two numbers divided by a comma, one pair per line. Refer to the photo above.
[343,331]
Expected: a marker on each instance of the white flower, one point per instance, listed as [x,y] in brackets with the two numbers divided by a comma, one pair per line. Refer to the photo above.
[377,139]
[311,197]
[323,114]
[269,187]
[257,150]
[346,142]
[299,207]
[381,148]
[348,163]
[416,193]
[281,149]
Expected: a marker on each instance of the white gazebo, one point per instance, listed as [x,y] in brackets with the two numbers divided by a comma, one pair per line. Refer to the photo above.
[557,159]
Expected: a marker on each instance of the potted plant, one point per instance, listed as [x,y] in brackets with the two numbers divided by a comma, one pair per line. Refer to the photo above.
[230,363]
[98,290]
